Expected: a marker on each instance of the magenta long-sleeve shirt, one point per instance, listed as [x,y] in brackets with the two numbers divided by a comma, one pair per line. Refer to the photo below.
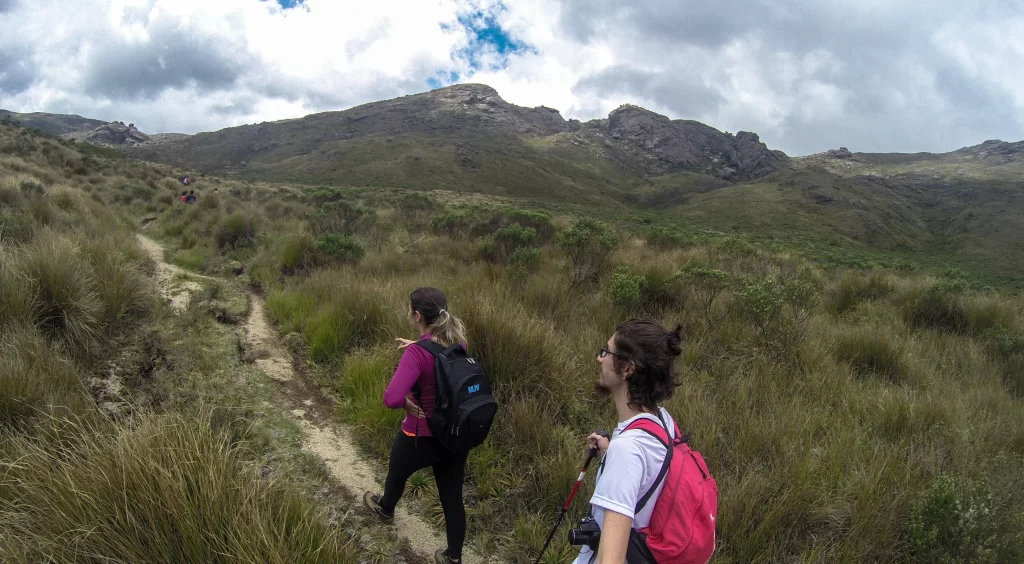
[416,367]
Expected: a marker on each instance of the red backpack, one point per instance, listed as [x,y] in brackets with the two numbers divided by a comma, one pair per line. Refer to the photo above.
[682,527]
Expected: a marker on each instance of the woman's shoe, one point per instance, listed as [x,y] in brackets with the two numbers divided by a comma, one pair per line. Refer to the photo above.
[372,502]
[441,557]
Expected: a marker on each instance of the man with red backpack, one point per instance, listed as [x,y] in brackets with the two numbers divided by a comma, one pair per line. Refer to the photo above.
[655,499]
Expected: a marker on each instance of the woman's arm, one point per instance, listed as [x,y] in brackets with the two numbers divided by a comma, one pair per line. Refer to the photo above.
[614,538]
[404,379]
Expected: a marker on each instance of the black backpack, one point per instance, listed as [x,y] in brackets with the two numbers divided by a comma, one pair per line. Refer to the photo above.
[463,406]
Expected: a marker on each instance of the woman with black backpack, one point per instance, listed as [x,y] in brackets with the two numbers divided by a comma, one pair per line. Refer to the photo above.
[413,388]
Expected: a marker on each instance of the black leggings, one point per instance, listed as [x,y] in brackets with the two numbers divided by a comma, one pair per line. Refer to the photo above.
[410,454]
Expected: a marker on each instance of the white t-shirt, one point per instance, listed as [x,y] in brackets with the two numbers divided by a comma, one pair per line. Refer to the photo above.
[630,467]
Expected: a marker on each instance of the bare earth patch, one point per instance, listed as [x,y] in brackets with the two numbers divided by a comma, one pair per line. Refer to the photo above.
[172,280]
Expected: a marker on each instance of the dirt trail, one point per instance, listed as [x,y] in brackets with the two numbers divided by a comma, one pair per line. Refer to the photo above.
[324,436]
[172,280]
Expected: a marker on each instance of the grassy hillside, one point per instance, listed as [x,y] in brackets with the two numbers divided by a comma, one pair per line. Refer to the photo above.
[129,433]
[861,415]
[933,211]
[848,414]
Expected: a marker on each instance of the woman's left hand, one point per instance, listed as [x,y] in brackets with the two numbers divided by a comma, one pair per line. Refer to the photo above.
[403,343]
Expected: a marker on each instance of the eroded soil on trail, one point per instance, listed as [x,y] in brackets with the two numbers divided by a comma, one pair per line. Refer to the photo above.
[172,280]
[324,436]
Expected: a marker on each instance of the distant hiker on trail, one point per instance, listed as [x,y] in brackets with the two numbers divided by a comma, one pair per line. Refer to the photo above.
[627,515]
[191,198]
[413,388]
[184,197]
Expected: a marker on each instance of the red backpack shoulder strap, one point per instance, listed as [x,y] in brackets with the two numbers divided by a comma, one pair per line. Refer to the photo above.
[659,432]
[650,427]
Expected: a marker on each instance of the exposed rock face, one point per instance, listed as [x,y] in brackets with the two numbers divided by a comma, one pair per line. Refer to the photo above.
[676,144]
[116,133]
[840,153]
[998,149]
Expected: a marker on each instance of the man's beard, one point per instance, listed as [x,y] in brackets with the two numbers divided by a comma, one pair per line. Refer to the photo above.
[601,390]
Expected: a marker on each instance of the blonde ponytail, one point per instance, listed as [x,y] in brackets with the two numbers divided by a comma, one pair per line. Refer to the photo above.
[447,330]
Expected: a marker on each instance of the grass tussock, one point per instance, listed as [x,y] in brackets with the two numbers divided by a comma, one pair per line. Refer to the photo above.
[167,490]
[871,351]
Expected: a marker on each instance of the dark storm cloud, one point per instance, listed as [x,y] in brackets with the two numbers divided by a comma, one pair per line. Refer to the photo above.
[683,93]
[173,57]
[884,60]
[17,70]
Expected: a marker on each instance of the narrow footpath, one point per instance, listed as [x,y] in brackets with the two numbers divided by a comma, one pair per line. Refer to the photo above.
[324,436]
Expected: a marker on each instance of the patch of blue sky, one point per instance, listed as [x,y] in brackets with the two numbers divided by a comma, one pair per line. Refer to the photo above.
[286,4]
[490,45]
[443,78]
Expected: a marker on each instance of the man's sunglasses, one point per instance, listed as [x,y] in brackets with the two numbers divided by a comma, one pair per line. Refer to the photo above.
[605,352]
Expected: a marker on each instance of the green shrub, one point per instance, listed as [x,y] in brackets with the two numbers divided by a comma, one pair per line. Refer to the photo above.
[625,288]
[523,262]
[778,309]
[340,217]
[1005,342]
[706,284]
[663,238]
[453,224]
[538,221]
[506,241]
[872,351]
[587,244]
[339,248]
[237,230]
[955,520]
[412,202]
[735,246]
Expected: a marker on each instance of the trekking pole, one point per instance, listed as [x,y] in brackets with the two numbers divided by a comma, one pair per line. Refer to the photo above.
[591,455]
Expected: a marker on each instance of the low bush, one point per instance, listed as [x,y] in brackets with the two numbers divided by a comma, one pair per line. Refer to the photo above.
[625,288]
[587,244]
[500,247]
[955,520]
[665,239]
[339,248]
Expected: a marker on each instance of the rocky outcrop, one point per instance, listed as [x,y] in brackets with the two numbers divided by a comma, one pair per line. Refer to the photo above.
[116,133]
[682,144]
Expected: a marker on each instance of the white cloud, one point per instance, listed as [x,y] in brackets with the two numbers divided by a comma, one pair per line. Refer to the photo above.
[805,75]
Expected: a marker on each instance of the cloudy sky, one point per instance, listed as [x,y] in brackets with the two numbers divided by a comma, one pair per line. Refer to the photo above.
[807,75]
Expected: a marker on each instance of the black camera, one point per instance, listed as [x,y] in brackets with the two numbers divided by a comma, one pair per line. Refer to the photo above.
[588,533]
